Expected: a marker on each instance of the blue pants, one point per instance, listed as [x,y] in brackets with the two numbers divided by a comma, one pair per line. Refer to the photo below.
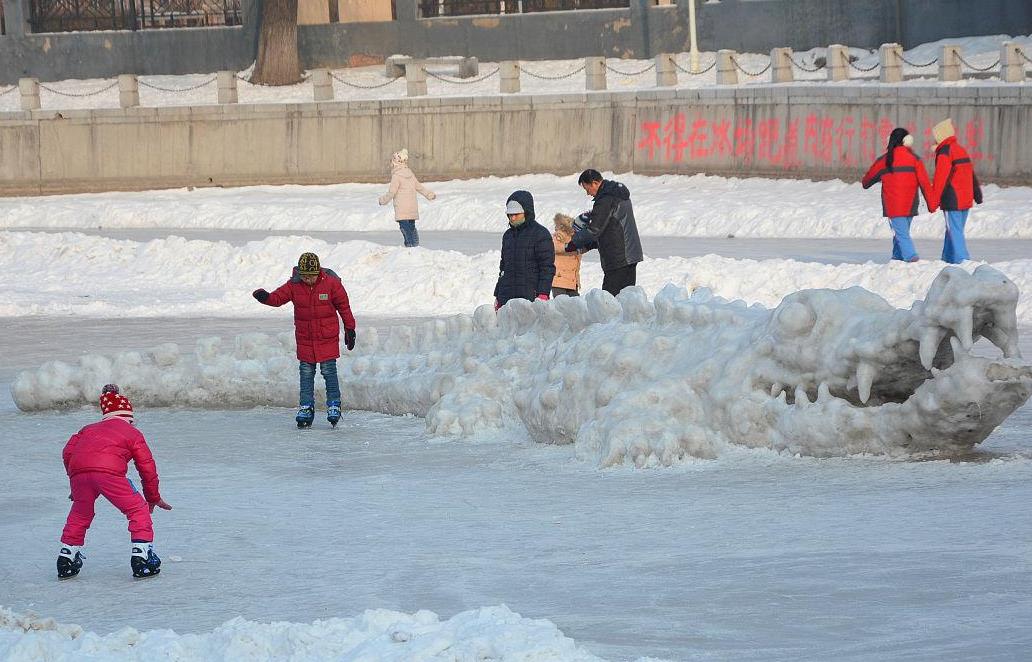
[329,373]
[954,248]
[902,245]
[408,231]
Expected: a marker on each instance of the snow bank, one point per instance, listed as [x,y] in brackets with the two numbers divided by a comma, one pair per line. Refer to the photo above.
[101,277]
[626,379]
[670,205]
[489,633]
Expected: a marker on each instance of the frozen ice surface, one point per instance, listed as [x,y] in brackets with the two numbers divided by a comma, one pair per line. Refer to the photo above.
[752,556]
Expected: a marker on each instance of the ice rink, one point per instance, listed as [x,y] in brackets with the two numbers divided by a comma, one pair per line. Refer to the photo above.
[755,555]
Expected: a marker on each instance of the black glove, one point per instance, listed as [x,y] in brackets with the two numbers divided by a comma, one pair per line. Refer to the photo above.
[570,248]
[261,295]
[349,339]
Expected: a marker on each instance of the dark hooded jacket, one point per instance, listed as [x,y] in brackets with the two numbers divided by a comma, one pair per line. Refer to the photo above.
[613,227]
[528,257]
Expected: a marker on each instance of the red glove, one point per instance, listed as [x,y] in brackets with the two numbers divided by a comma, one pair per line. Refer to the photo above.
[160,504]
[542,297]
[497,305]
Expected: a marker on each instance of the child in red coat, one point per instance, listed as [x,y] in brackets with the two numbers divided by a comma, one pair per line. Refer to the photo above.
[96,459]
[318,297]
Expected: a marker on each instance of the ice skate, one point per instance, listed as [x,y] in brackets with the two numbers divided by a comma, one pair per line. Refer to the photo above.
[333,412]
[144,561]
[69,562]
[305,416]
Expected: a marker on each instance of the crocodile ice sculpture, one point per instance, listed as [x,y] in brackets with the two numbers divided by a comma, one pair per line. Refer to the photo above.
[826,373]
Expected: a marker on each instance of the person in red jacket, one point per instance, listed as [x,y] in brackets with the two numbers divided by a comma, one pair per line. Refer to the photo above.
[954,188]
[901,174]
[318,297]
[96,459]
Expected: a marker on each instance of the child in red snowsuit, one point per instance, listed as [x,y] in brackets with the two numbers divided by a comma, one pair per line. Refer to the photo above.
[319,298]
[96,459]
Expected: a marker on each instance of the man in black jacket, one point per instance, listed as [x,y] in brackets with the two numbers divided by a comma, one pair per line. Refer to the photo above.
[528,256]
[612,226]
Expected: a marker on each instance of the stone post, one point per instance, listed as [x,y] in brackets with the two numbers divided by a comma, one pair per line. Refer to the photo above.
[666,73]
[227,84]
[890,57]
[595,73]
[837,62]
[726,72]
[949,63]
[1012,66]
[415,79]
[322,85]
[128,91]
[781,65]
[29,90]
[509,72]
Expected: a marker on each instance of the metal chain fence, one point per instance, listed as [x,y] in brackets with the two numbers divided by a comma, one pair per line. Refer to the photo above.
[144,83]
[919,66]
[547,77]
[734,61]
[463,81]
[78,94]
[364,87]
[973,67]
[1028,59]
[814,69]
[697,73]
[864,70]
[9,90]
[631,73]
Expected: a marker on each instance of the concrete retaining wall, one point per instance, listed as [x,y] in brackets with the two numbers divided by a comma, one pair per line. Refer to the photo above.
[783,130]
[640,31]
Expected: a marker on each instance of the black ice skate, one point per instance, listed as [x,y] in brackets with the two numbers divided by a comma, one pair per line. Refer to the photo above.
[144,561]
[69,562]
[305,416]
[333,412]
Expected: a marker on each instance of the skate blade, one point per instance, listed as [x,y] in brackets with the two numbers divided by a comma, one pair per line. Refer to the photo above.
[153,574]
[61,579]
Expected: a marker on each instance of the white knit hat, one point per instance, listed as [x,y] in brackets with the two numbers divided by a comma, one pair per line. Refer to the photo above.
[401,156]
[513,207]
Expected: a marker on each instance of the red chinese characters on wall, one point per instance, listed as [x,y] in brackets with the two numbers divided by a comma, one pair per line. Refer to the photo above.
[815,139]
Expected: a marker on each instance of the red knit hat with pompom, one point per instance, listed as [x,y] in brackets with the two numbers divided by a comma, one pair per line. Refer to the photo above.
[113,403]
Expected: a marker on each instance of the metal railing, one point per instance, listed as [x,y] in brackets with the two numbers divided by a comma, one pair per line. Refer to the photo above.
[3,24]
[436,8]
[75,15]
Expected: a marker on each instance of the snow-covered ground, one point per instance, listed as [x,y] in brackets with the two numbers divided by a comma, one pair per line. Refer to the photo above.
[377,541]
[667,205]
[174,274]
[539,77]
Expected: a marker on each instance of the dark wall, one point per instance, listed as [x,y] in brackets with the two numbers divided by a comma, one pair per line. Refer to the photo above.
[640,31]
[102,54]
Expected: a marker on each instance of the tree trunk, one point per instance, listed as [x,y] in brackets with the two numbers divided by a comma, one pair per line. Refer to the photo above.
[278,62]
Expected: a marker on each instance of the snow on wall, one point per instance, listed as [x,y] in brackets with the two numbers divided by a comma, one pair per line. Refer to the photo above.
[489,633]
[101,277]
[670,205]
[626,379]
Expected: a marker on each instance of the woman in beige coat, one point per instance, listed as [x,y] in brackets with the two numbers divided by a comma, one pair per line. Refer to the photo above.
[403,191]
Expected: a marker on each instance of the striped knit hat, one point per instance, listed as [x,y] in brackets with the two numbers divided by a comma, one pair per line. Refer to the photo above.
[114,404]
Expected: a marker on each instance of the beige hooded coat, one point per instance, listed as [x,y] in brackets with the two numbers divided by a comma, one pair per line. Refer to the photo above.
[403,191]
